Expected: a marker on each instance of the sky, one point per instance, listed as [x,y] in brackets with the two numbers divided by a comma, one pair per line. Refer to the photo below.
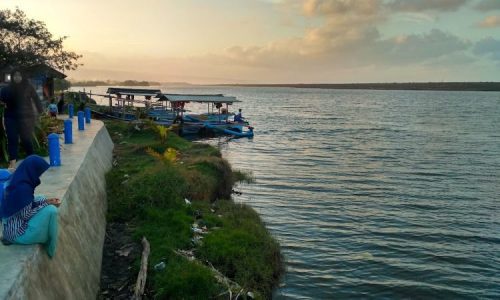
[276,41]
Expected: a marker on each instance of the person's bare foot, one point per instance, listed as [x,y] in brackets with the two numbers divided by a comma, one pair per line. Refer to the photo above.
[54,201]
[12,166]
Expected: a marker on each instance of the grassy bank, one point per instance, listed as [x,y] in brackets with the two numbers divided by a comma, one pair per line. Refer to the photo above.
[147,189]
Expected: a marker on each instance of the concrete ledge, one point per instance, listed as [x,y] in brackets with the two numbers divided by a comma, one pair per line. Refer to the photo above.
[26,272]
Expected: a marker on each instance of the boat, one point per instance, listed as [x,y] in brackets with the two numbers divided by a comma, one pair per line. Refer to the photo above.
[168,109]
[215,120]
[234,129]
[124,103]
[237,132]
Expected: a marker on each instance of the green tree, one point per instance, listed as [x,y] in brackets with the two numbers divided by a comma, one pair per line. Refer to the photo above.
[25,42]
[61,84]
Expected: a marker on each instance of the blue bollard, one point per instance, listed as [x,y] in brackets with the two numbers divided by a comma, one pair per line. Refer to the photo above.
[54,150]
[81,121]
[87,115]
[71,110]
[68,131]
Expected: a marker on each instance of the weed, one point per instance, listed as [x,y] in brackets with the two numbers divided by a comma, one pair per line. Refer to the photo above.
[150,196]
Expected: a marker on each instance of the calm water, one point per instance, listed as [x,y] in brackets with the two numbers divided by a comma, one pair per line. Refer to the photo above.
[375,194]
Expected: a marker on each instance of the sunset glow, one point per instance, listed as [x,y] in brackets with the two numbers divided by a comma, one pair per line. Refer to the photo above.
[282,41]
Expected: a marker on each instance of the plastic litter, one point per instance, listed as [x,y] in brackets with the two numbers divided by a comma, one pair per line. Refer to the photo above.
[160,266]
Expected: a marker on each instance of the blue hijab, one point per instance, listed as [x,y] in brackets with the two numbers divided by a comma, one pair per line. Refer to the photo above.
[21,189]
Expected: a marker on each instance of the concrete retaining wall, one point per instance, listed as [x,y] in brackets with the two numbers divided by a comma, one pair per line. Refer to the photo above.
[26,272]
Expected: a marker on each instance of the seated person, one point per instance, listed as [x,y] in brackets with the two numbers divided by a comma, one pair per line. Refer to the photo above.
[53,110]
[238,117]
[26,218]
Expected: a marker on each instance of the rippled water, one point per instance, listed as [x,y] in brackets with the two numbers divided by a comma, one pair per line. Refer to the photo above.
[375,194]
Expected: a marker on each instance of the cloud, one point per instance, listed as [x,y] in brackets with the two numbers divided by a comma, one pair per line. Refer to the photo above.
[341,7]
[342,43]
[418,48]
[425,5]
[491,21]
[348,37]
[323,48]
[488,5]
[372,7]
[488,47]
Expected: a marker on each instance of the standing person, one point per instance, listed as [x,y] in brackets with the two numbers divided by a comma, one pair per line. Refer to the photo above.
[21,114]
[60,103]
[26,218]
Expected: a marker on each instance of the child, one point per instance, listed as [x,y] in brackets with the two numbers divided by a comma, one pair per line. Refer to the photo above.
[53,111]
[26,218]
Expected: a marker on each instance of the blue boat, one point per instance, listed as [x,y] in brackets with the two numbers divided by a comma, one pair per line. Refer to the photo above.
[216,120]
[239,133]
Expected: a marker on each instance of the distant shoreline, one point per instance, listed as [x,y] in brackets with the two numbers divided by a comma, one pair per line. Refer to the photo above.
[413,86]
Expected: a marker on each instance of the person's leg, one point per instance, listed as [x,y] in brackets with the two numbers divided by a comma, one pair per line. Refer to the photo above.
[42,229]
[26,130]
[51,244]
[12,139]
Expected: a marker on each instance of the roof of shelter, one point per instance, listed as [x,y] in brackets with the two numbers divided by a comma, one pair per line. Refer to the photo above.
[133,92]
[35,69]
[214,98]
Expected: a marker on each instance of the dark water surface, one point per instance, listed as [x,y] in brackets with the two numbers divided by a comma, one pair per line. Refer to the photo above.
[375,194]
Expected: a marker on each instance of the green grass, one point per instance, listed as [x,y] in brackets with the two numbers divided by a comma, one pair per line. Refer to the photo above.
[149,195]
[242,248]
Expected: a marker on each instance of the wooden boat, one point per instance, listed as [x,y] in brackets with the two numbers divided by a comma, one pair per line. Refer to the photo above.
[216,119]
[235,132]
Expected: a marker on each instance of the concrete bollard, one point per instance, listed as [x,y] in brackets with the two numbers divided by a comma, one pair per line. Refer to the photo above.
[71,110]
[81,121]
[68,131]
[87,115]
[54,150]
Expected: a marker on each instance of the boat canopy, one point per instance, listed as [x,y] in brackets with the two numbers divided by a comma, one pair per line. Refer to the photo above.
[133,92]
[214,98]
